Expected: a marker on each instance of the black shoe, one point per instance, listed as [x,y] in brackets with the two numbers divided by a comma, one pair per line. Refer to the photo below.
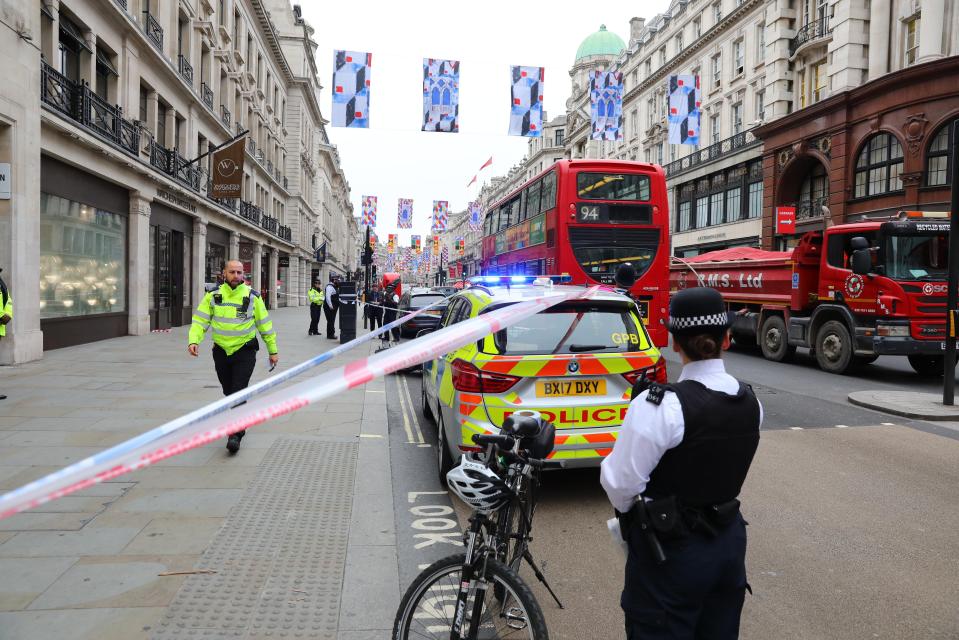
[331,337]
[233,444]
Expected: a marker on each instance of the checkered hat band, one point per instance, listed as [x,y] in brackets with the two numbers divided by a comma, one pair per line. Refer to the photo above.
[712,320]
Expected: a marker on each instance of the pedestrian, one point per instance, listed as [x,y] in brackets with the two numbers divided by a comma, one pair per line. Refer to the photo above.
[391,301]
[330,306]
[316,297]
[375,305]
[227,311]
[680,460]
[6,313]
[366,310]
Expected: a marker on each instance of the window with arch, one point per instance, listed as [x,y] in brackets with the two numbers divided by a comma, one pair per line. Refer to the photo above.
[879,166]
[937,158]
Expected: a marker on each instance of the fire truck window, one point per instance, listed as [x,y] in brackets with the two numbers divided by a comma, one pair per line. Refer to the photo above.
[839,251]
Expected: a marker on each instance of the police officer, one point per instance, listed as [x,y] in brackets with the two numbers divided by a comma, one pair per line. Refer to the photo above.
[680,461]
[330,306]
[236,313]
[391,302]
[374,302]
[316,297]
[6,312]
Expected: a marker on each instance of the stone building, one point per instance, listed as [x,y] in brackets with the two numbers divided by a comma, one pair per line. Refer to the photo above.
[110,105]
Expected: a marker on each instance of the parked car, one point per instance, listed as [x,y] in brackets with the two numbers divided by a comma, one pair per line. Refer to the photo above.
[428,319]
[446,291]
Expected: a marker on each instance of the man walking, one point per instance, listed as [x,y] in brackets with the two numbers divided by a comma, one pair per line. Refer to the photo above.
[235,324]
[330,306]
[6,312]
[316,305]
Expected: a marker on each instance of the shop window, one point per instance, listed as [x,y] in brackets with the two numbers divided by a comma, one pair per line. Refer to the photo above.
[702,212]
[83,257]
[939,155]
[684,221]
[879,166]
[716,208]
[755,208]
[911,48]
[734,204]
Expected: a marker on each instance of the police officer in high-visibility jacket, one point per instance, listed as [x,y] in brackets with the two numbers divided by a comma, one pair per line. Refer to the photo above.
[235,313]
[317,297]
[6,313]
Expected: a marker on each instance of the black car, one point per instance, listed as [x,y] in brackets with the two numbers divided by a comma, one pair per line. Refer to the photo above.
[429,319]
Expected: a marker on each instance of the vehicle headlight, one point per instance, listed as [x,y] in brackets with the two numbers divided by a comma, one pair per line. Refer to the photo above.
[892,330]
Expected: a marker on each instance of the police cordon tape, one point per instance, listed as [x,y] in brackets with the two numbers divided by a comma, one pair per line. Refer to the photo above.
[189,432]
[213,408]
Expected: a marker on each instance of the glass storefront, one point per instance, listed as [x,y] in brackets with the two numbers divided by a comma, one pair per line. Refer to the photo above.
[83,257]
[215,259]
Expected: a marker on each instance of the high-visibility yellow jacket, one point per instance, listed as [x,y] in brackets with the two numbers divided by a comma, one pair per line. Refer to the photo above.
[316,297]
[6,311]
[235,316]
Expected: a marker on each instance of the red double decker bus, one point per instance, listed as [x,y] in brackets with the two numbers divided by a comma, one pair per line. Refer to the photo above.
[585,218]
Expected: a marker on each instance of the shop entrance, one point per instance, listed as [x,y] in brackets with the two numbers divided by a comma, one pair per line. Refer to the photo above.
[166,262]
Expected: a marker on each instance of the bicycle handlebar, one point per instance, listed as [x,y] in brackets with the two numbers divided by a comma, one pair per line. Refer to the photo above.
[504,445]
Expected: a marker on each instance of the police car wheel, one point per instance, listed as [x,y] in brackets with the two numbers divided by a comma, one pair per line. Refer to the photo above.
[424,399]
[444,461]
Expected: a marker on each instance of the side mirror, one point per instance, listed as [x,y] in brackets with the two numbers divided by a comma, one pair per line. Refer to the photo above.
[861,262]
[423,332]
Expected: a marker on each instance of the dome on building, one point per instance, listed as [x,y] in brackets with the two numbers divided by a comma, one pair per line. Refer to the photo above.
[601,43]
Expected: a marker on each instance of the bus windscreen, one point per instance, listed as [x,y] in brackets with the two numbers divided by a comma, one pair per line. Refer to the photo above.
[612,186]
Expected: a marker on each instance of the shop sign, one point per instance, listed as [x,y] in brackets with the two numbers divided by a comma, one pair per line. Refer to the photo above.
[227,169]
[5,180]
[173,198]
[785,220]
[284,261]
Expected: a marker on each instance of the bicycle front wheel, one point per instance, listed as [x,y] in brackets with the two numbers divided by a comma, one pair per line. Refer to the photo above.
[429,605]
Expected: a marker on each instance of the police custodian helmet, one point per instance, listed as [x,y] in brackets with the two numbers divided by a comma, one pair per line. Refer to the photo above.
[698,310]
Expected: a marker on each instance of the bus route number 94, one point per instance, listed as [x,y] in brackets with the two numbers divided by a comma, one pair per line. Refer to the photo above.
[589,213]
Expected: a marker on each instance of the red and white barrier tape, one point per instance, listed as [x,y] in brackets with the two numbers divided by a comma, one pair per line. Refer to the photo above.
[191,434]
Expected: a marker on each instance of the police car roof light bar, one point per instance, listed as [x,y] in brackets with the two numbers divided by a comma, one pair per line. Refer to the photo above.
[507,280]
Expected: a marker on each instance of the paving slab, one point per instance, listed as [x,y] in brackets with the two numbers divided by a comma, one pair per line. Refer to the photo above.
[174,536]
[26,578]
[85,542]
[909,404]
[207,502]
[81,624]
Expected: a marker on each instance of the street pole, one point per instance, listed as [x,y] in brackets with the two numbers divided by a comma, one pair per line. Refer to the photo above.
[366,266]
[949,375]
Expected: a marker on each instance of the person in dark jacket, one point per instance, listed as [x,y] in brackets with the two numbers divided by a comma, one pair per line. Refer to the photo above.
[374,304]
[391,301]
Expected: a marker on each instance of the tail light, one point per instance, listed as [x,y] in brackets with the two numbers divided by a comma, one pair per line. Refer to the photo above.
[467,377]
[655,373]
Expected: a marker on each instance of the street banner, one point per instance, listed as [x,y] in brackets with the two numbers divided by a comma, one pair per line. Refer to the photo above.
[416,244]
[684,110]
[606,105]
[440,215]
[404,213]
[785,220]
[369,211]
[526,106]
[227,164]
[436,245]
[475,215]
[461,245]
[445,256]
[372,241]
[351,89]
[391,244]
[441,95]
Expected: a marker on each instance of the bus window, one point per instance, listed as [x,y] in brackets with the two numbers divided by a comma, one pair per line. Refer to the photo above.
[532,199]
[548,196]
[612,186]
[515,209]
[503,217]
[522,207]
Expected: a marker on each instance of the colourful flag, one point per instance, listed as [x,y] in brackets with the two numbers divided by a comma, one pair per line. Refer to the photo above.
[526,107]
[475,215]
[441,95]
[461,245]
[351,89]
[487,163]
[404,213]
[436,245]
[391,244]
[606,105]
[416,244]
[440,215]
[369,211]
[373,241]
[684,110]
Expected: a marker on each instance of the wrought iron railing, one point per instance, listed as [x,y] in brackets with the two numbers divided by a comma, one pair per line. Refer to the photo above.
[250,211]
[286,183]
[270,224]
[225,115]
[153,30]
[285,233]
[207,94]
[815,29]
[250,145]
[122,3]
[258,154]
[58,91]
[269,166]
[186,172]
[161,157]
[713,152]
[186,69]
[808,209]
[239,126]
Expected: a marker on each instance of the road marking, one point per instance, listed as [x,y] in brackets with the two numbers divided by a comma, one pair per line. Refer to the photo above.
[409,405]
[795,428]
[842,426]
[406,419]
[889,424]
[425,446]
[370,435]
[376,391]
[422,566]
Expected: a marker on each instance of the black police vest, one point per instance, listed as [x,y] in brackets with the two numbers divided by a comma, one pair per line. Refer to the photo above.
[721,434]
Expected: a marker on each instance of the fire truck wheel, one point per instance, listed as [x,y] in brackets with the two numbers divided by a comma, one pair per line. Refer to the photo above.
[834,347]
[927,366]
[772,340]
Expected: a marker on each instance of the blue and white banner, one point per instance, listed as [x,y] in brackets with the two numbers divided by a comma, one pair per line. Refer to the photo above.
[526,106]
[684,110]
[404,213]
[606,105]
[441,95]
[476,215]
[351,89]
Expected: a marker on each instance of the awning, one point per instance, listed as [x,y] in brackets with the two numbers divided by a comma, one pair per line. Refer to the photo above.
[71,31]
[104,61]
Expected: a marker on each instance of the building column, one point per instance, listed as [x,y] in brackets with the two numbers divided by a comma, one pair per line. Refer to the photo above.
[50,45]
[930,30]
[198,265]
[234,251]
[138,266]
[879,38]
[257,267]
[273,270]
[293,282]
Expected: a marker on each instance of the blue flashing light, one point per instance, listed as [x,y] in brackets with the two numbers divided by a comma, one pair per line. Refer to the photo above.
[507,280]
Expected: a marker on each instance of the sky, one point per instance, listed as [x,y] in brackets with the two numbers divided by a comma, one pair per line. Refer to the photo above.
[394,158]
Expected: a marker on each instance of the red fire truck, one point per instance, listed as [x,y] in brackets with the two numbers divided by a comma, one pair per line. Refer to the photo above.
[849,293]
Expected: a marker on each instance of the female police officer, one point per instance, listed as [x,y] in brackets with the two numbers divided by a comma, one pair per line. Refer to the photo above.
[679,463]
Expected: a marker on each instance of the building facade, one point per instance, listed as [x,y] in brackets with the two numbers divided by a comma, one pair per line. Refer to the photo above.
[130,94]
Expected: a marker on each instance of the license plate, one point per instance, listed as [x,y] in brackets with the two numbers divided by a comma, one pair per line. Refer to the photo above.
[562,388]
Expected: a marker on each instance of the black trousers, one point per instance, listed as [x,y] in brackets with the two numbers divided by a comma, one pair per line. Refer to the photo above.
[389,315]
[234,371]
[314,320]
[376,318]
[330,313]
[697,594]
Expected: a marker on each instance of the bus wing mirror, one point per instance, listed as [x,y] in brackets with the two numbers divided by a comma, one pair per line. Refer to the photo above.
[861,262]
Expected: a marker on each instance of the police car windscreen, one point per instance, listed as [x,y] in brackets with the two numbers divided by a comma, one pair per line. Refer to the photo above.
[418,302]
[571,329]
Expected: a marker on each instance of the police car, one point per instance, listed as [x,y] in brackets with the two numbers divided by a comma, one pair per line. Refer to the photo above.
[575,363]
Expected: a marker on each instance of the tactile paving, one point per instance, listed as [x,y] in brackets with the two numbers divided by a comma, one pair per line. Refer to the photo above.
[280,555]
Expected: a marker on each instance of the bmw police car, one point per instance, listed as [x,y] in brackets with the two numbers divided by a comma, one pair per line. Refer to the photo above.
[575,363]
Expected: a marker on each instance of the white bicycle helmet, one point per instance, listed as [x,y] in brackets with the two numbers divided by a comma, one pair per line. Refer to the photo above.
[477,485]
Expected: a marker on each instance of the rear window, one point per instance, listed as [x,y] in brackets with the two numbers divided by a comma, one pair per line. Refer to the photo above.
[417,302]
[571,329]
[612,186]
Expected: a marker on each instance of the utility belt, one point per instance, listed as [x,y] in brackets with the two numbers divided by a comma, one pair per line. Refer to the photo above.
[668,520]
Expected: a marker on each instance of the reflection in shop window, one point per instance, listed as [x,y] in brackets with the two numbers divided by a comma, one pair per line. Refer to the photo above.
[82,259]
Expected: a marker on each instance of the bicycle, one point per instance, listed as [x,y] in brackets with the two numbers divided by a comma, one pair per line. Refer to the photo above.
[452,598]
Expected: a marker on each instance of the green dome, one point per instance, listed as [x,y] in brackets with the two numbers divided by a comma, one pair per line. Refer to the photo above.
[601,43]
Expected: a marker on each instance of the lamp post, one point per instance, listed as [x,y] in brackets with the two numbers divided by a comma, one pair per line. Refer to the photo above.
[949,375]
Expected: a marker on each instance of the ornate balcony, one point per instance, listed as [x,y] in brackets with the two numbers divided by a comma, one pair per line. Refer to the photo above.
[186,69]
[712,153]
[153,30]
[812,31]
[809,209]
[207,94]
[249,211]
[285,233]
[225,116]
